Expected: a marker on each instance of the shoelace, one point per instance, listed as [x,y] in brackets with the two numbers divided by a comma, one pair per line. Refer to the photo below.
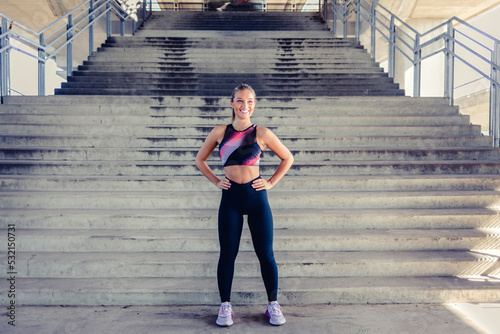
[275,309]
[225,310]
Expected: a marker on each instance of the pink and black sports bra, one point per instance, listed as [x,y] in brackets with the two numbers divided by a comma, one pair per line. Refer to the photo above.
[240,147]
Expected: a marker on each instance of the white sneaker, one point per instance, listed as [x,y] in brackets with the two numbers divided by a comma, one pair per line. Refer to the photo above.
[226,315]
[275,314]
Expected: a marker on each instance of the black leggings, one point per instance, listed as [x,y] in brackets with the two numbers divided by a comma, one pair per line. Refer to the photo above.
[238,200]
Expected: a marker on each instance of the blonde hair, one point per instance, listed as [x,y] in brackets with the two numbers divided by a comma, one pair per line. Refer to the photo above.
[241,86]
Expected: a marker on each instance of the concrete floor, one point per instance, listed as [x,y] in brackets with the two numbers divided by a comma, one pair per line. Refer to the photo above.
[400,319]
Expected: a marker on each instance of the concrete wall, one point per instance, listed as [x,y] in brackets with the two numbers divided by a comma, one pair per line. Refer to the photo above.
[473,92]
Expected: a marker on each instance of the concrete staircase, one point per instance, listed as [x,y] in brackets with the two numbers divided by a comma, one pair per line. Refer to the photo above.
[391,200]
[299,59]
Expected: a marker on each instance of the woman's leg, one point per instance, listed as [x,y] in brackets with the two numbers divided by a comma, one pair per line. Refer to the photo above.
[230,228]
[260,222]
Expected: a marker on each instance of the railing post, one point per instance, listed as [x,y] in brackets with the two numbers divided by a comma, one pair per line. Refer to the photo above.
[4,60]
[334,17]
[392,49]
[122,26]
[41,65]
[91,28]
[108,19]
[495,96]
[144,11]
[358,18]
[344,20]
[373,29]
[449,65]
[69,47]
[325,13]
[417,67]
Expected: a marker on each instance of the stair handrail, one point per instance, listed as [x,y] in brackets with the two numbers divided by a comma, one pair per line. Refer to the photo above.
[406,40]
[87,14]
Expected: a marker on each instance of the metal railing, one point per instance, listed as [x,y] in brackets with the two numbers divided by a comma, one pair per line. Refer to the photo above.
[470,46]
[62,33]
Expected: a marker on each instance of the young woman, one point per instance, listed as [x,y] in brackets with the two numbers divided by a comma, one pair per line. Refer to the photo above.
[244,192]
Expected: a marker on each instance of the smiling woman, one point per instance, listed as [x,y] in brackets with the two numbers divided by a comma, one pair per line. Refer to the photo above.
[244,192]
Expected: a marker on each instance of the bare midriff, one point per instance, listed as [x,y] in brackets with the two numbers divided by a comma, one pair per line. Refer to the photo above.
[242,174]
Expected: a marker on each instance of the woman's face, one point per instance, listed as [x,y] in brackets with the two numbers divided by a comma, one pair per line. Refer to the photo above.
[243,104]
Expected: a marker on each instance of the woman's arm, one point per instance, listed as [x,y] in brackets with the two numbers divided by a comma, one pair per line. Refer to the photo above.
[268,139]
[204,153]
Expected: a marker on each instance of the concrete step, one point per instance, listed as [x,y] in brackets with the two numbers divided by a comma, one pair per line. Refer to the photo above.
[184,74]
[106,114]
[212,74]
[117,51]
[211,92]
[149,142]
[255,15]
[230,19]
[147,52]
[300,168]
[140,79]
[237,26]
[267,69]
[152,117]
[290,183]
[187,56]
[305,154]
[180,131]
[221,26]
[237,42]
[290,264]
[304,103]
[161,15]
[257,67]
[299,291]
[264,88]
[215,115]
[169,14]
[188,80]
[253,24]
[206,91]
[199,219]
[297,240]
[169,33]
[354,200]
[198,55]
